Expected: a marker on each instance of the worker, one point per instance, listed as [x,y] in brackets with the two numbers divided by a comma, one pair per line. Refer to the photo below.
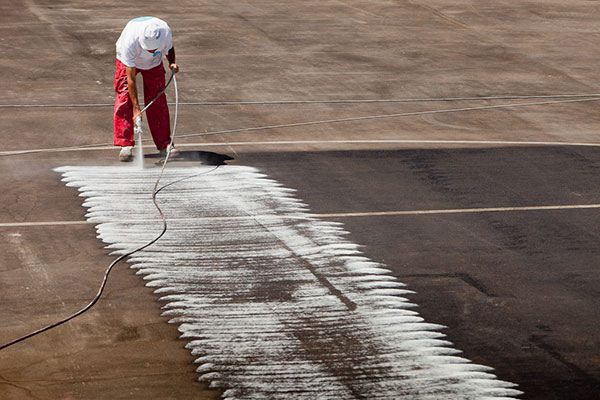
[141,48]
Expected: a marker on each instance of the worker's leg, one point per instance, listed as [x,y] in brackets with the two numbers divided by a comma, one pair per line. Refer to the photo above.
[158,112]
[123,109]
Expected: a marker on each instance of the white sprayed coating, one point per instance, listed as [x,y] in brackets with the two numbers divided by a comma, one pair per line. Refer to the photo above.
[274,308]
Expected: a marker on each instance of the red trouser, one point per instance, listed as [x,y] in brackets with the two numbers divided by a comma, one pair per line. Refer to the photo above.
[158,113]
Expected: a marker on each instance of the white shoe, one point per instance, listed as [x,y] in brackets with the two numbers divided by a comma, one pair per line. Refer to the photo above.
[126,154]
[173,153]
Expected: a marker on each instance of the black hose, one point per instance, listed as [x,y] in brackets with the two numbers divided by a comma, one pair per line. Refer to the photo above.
[156,190]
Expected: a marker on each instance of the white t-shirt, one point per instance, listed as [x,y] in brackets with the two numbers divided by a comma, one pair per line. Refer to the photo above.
[131,53]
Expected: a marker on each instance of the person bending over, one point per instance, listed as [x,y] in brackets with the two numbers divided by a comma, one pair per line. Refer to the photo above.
[141,48]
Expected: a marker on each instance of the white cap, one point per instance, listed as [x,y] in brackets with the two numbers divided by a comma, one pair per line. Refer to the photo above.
[153,37]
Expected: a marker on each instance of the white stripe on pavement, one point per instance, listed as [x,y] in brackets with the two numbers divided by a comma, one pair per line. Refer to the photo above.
[330,215]
[105,146]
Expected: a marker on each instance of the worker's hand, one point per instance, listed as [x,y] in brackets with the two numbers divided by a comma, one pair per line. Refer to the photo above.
[137,113]
[174,67]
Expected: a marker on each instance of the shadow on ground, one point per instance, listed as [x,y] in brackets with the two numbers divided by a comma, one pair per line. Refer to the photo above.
[201,157]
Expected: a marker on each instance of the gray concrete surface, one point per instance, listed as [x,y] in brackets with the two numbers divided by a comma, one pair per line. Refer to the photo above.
[519,292]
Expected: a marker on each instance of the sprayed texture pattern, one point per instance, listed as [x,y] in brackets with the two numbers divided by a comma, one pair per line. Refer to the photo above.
[274,303]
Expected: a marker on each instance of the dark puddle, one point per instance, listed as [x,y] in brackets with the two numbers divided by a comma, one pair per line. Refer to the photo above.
[201,157]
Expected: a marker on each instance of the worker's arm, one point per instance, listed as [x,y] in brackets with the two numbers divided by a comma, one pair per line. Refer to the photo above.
[133,93]
[171,59]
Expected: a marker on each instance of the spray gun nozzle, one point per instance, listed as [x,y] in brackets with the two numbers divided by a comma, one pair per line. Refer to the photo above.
[138,123]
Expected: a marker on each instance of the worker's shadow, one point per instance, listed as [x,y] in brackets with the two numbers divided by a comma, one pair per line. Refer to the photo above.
[201,157]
